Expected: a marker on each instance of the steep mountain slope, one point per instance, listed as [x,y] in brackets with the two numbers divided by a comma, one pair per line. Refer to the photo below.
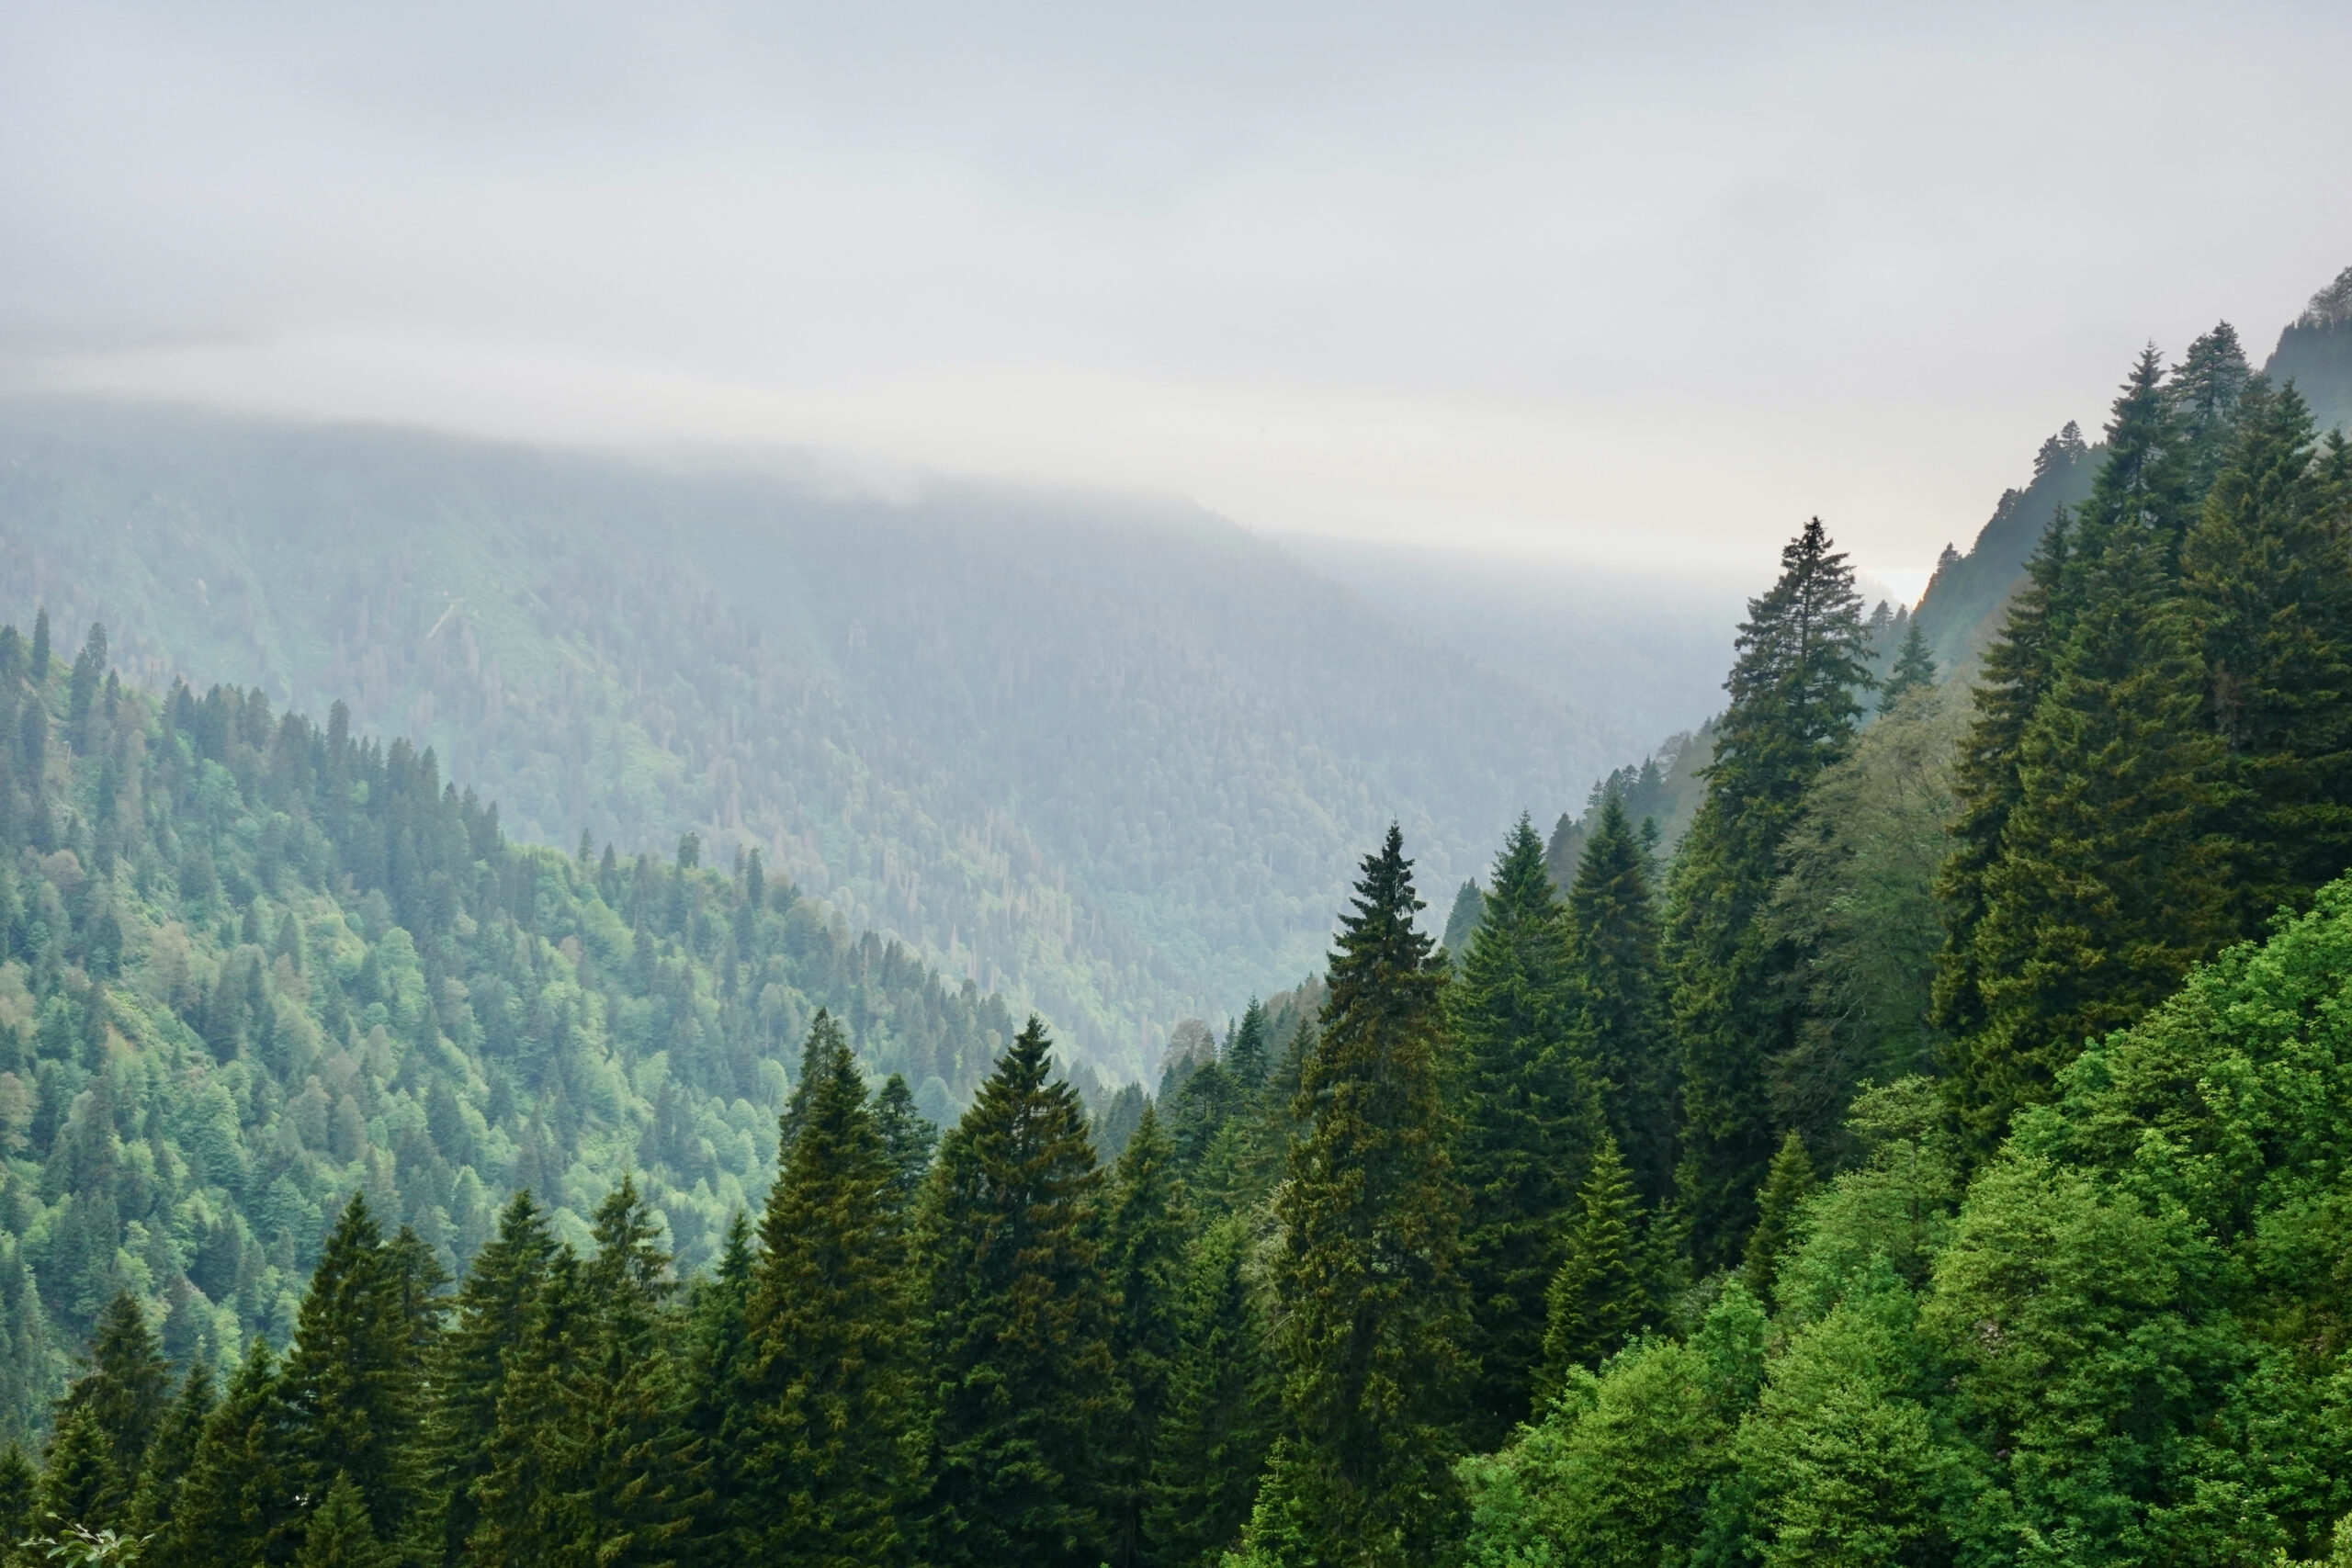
[2315,352]
[1116,760]
[249,965]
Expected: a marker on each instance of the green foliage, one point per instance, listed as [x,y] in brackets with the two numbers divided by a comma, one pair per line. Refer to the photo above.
[1371,1304]
[1601,1294]
[1914,670]
[1524,1120]
[1022,1310]
[1793,711]
[831,1390]
[1616,991]
[1779,1206]
[340,1534]
[1223,1404]
[1146,1234]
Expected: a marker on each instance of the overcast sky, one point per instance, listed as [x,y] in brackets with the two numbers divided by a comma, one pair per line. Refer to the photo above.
[1576,279]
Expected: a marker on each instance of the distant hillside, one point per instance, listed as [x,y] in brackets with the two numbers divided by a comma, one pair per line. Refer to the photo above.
[1114,760]
[1962,605]
[2316,353]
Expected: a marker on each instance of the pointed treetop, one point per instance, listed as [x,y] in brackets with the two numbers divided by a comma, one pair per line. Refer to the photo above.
[1915,669]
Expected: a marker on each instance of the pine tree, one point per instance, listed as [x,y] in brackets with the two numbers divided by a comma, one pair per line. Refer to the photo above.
[492,1307]
[2267,585]
[1523,1128]
[125,1393]
[237,1504]
[172,1452]
[352,1380]
[1244,1054]
[1146,1233]
[1915,669]
[831,1393]
[1371,1300]
[1793,713]
[19,1485]
[1786,1187]
[908,1138]
[523,1494]
[1616,986]
[2109,884]
[1599,1299]
[1021,1316]
[339,1534]
[2205,390]
[80,1482]
[1223,1401]
[720,1414]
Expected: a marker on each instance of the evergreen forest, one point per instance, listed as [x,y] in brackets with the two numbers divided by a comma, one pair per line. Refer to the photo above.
[1905,1121]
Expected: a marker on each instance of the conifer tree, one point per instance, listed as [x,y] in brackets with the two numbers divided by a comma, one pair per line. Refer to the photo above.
[171,1453]
[339,1534]
[1367,1275]
[720,1360]
[351,1380]
[237,1503]
[1244,1054]
[1523,1127]
[1915,669]
[524,1495]
[908,1138]
[1223,1401]
[2109,884]
[1786,1187]
[125,1393]
[1146,1233]
[2268,584]
[1021,1312]
[80,1484]
[1616,987]
[2205,390]
[1599,1299]
[492,1307]
[2015,671]
[1793,713]
[831,1393]
[19,1484]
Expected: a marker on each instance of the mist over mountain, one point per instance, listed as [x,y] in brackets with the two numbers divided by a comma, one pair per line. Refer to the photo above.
[1111,758]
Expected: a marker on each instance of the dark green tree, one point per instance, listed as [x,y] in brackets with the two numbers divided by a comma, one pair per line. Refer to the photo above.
[1147,1240]
[1021,1311]
[1599,1298]
[2110,882]
[125,1393]
[908,1137]
[19,1484]
[80,1482]
[1793,709]
[1915,669]
[2205,390]
[1778,1210]
[1522,1127]
[1247,1061]
[172,1452]
[1616,987]
[353,1383]
[237,1504]
[339,1534]
[831,1390]
[1372,1309]
[469,1372]
[2268,584]
[1223,1402]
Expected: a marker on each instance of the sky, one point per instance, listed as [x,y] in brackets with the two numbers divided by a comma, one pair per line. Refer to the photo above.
[1644,286]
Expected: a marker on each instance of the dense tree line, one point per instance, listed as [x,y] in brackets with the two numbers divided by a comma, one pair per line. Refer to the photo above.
[1934,1155]
[249,965]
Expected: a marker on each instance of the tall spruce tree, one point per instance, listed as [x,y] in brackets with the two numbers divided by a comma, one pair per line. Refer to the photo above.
[1779,1207]
[1523,1125]
[1915,669]
[2268,584]
[171,1453]
[1367,1277]
[1793,708]
[237,1504]
[831,1388]
[1599,1298]
[125,1393]
[1616,987]
[2205,390]
[492,1307]
[352,1381]
[1021,1310]
[2110,883]
[1146,1235]
[1224,1398]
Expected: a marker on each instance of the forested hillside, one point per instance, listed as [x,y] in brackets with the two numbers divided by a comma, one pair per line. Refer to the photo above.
[249,965]
[1107,759]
